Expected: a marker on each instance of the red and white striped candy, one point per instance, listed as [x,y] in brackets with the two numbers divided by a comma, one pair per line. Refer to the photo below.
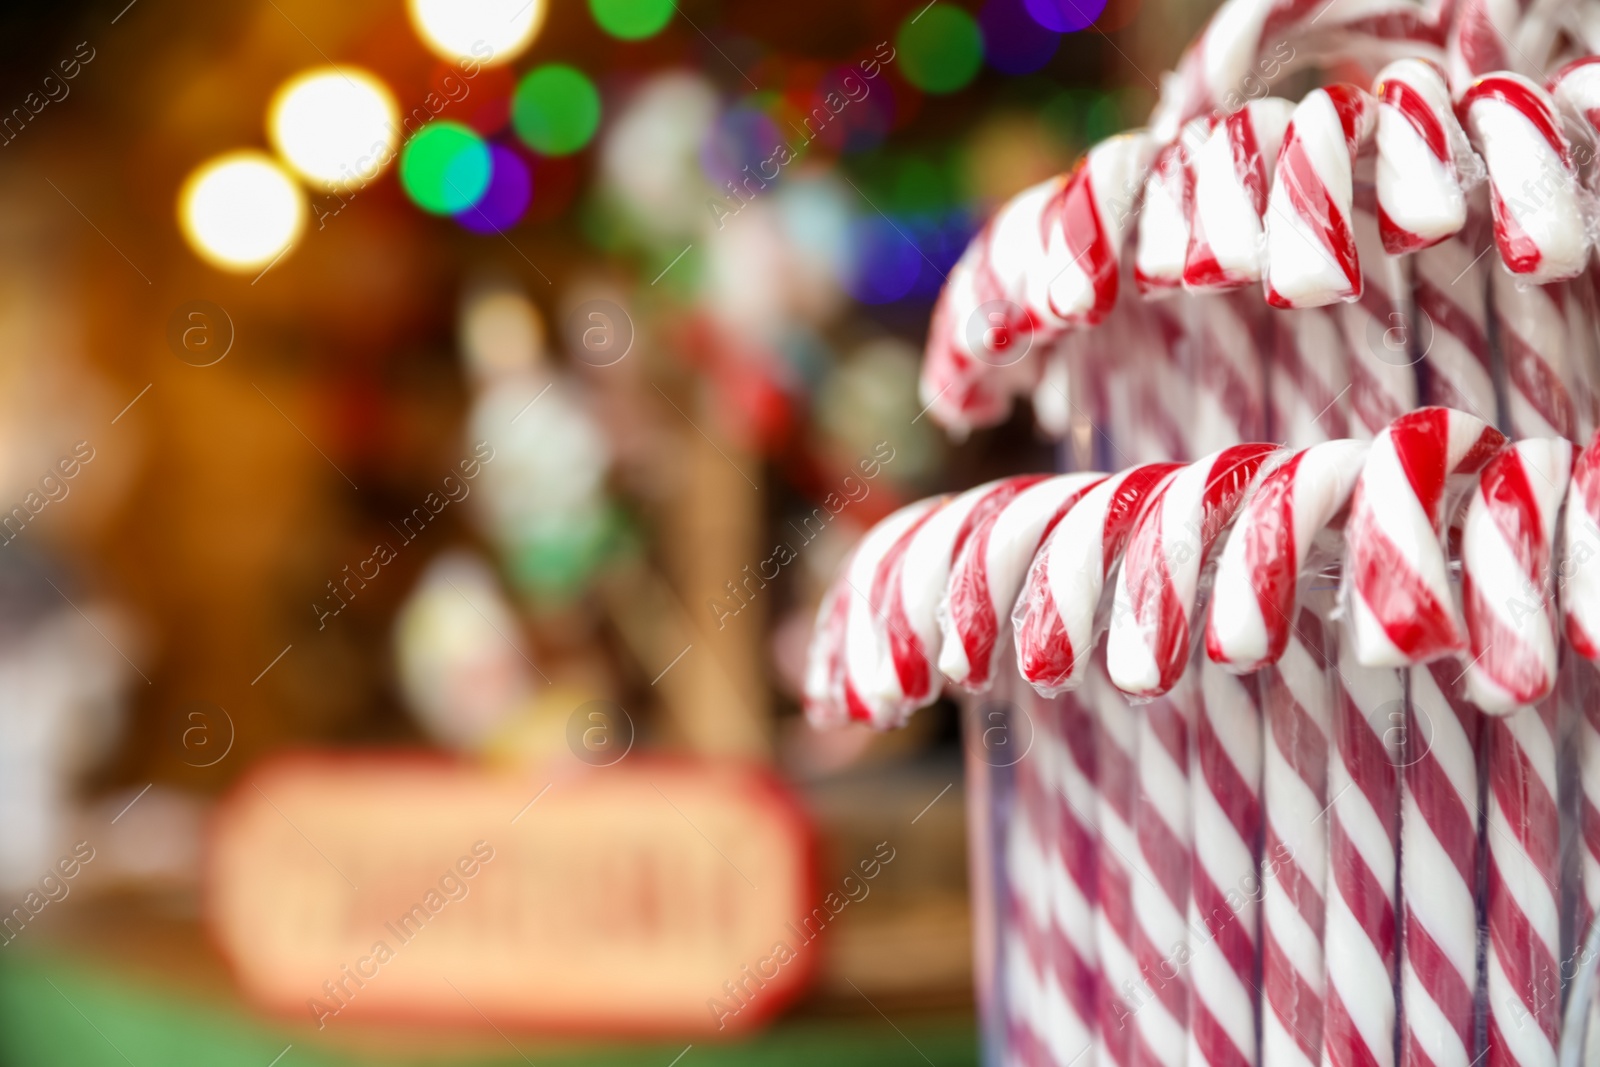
[1538,221]
[1448,286]
[1396,583]
[997,548]
[1093,214]
[1420,201]
[867,581]
[1164,214]
[1295,700]
[906,592]
[1055,615]
[1506,547]
[1311,250]
[1253,595]
[1361,937]
[1225,769]
[1162,825]
[1438,875]
[1148,646]
[1523,978]
[1377,328]
[1580,565]
[1116,779]
[1535,345]
[1481,38]
[1575,88]
[1233,171]
[1309,388]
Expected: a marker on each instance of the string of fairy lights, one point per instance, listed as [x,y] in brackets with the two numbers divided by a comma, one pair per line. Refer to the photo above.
[333,130]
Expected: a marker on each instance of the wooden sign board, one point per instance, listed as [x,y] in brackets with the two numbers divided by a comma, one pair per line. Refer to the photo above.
[652,897]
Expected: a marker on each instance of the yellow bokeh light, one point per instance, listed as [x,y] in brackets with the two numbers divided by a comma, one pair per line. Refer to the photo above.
[240,211]
[488,32]
[335,125]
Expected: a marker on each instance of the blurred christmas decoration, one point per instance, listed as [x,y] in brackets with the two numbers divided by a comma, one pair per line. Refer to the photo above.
[488,31]
[336,126]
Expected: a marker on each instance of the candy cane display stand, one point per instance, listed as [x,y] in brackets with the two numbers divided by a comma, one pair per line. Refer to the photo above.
[1283,727]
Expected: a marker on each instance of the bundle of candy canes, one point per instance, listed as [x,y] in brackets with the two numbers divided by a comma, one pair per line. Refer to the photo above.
[1298,752]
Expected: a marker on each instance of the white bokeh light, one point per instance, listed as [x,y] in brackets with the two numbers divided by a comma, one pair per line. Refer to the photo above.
[241,210]
[489,32]
[336,126]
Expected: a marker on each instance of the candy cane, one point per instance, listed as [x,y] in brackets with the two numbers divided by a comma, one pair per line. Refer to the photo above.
[1419,195]
[1232,171]
[995,552]
[1161,891]
[1506,548]
[1164,217]
[866,586]
[1148,645]
[1093,213]
[1361,937]
[1522,973]
[1396,582]
[1295,701]
[1114,920]
[1225,769]
[1253,594]
[1439,845]
[904,600]
[1311,252]
[1055,615]
[1538,222]
[1580,596]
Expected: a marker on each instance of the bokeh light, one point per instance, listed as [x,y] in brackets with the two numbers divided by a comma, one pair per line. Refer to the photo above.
[886,262]
[445,168]
[506,199]
[488,32]
[556,109]
[337,126]
[941,49]
[241,210]
[1013,41]
[1065,16]
[631,20]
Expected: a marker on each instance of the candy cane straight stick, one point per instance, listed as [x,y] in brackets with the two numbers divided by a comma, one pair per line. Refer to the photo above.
[1378,328]
[1439,842]
[1116,776]
[1580,595]
[1225,881]
[1361,932]
[1295,698]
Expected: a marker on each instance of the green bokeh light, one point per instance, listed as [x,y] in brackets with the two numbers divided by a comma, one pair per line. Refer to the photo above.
[940,49]
[445,168]
[555,109]
[631,20]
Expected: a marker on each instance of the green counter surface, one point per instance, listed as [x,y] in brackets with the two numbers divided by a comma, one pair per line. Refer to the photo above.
[58,1009]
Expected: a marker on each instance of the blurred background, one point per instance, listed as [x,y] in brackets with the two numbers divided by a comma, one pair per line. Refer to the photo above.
[425,431]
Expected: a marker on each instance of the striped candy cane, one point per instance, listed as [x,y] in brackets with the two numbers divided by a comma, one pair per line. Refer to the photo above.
[1165,213]
[1225,768]
[993,554]
[1506,549]
[1538,221]
[1055,616]
[1295,701]
[1311,251]
[1114,918]
[1148,645]
[1396,581]
[1439,842]
[1232,172]
[1420,201]
[1309,387]
[1253,598]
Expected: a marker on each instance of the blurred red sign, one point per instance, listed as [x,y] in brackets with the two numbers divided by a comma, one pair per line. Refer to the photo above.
[612,899]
